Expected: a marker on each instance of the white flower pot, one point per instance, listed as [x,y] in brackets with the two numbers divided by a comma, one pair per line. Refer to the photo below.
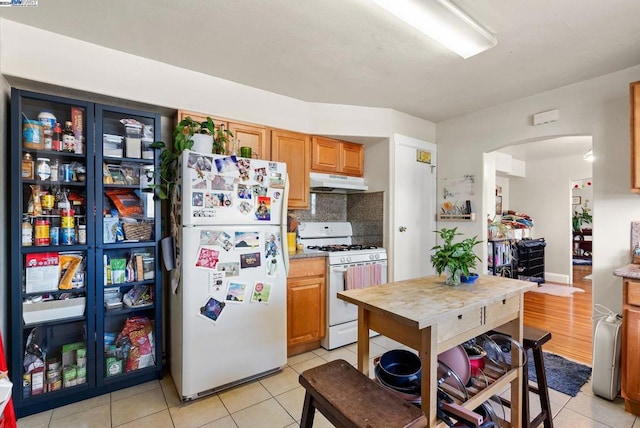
[202,143]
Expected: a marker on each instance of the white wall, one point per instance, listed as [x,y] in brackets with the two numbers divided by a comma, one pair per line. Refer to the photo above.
[597,107]
[545,194]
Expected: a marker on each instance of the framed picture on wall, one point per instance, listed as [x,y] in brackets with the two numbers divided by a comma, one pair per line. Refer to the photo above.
[576,200]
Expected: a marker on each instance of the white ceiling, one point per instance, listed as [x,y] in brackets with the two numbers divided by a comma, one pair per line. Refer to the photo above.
[353,52]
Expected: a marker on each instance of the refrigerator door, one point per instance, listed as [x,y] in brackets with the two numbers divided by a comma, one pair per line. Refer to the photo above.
[219,189]
[232,315]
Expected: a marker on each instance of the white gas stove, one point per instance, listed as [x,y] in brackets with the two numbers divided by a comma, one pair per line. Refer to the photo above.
[348,266]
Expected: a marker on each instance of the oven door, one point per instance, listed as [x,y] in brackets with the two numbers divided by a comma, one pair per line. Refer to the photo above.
[338,310]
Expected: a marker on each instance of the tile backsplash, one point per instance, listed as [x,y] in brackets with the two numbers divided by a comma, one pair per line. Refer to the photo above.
[363,210]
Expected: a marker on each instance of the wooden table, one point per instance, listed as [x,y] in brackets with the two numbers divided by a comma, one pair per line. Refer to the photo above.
[431,317]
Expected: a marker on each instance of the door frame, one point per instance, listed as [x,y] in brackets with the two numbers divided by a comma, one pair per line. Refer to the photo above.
[396,141]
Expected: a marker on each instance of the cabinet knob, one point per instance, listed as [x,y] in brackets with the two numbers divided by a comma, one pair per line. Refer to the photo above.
[403,229]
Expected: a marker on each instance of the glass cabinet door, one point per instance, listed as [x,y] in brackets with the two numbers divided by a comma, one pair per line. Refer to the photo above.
[128,228]
[52,213]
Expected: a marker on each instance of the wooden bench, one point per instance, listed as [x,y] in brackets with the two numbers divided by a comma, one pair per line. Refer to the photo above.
[347,398]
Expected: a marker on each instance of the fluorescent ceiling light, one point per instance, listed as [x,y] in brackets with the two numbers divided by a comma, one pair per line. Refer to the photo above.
[444,22]
[588,156]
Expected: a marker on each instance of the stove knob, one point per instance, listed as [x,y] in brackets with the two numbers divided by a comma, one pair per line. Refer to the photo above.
[377,256]
[342,259]
[348,259]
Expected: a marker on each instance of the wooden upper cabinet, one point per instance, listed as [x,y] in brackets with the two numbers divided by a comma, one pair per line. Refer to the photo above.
[352,159]
[338,157]
[247,134]
[253,136]
[325,154]
[200,117]
[635,136]
[294,149]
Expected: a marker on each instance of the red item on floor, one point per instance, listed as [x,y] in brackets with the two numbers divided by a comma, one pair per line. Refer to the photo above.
[8,417]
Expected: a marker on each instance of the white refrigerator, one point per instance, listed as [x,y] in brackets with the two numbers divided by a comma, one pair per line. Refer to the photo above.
[228,292]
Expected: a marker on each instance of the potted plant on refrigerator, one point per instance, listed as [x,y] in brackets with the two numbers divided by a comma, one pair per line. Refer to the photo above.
[186,136]
[454,259]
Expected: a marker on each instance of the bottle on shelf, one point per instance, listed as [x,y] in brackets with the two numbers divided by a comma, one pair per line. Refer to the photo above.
[55,170]
[57,137]
[68,138]
[27,232]
[63,200]
[27,166]
[42,237]
[82,234]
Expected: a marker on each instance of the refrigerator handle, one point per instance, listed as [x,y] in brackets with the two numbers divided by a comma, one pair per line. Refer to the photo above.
[283,226]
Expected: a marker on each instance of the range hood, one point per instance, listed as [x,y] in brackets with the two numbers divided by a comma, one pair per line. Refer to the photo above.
[332,183]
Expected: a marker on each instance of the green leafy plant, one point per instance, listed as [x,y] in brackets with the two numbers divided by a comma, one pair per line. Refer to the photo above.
[458,258]
[580,218]
[220,138]
[182,140]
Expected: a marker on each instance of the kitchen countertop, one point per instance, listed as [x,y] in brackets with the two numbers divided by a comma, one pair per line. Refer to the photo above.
[628,271]
[425,301]
[306,253]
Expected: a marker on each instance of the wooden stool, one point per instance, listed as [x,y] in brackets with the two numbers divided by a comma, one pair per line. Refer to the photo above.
[347,398]
[533,339]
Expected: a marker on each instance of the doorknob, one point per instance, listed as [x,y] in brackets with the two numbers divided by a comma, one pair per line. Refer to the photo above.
[403,229]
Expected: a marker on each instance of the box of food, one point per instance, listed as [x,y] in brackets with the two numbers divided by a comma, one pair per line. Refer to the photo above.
[53,310]
[42,272]
[112,145]
[77,121]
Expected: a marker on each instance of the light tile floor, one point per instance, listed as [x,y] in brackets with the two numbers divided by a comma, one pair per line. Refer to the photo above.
[276,401]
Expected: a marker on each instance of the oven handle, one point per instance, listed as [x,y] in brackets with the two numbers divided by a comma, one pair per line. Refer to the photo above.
[344,269]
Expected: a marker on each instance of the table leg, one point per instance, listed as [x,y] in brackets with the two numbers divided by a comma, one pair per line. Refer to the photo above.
[363,340]
[514,329]
[429,361]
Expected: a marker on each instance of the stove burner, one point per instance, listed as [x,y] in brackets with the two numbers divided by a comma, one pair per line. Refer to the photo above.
[341,247]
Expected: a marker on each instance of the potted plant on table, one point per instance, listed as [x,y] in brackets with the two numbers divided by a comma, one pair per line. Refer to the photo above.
[455,259]
[185,135]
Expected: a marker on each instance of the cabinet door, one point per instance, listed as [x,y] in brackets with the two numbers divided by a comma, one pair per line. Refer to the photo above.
[305,310]
[325,154]
[127,281]
[630,352]
[635,136]
[352,159]
[52,315]
[252,136]
[200,117]
[294,149]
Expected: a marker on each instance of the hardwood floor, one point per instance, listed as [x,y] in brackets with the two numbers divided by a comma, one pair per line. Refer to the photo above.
[567,318]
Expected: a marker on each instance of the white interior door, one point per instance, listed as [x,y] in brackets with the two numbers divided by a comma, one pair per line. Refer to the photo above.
[414,208]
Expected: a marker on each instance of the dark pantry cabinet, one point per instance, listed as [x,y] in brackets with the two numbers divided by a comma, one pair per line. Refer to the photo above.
[85,292]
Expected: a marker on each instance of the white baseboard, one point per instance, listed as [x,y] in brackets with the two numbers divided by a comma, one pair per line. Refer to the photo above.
[556,277]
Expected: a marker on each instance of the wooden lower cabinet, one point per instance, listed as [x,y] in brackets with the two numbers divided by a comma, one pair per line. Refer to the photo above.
[631,346]
[294,149]
[306,304]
